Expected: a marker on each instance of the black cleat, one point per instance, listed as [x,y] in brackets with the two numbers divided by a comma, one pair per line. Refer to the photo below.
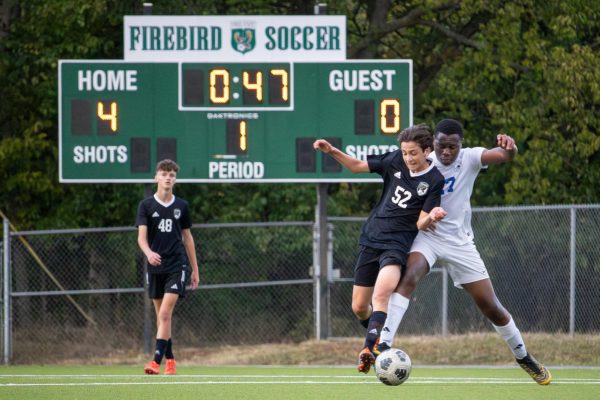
[380,348]
[535,369]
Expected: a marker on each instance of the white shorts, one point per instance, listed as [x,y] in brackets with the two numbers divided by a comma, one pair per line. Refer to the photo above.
[463,262]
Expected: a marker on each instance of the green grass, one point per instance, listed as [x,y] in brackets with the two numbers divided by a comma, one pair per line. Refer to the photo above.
[289,383]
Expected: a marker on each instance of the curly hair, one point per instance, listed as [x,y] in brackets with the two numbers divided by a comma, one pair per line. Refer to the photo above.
[449,127]
[167,165]
[420,134]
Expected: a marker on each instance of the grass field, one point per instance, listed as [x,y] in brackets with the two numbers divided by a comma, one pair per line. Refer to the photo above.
[290,383]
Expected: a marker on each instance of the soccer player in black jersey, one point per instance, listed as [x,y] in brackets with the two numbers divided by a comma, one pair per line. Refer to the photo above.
[409,201]
[164,236]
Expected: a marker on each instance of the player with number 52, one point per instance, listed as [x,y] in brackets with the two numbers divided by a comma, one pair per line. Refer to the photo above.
[410,201]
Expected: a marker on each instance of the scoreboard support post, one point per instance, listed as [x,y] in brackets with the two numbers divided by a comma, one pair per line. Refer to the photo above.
[323,243]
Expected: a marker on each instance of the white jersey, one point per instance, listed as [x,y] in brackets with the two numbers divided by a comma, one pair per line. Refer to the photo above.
[456,197]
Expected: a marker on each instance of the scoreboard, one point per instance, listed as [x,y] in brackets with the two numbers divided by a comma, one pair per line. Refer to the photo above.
[227,121]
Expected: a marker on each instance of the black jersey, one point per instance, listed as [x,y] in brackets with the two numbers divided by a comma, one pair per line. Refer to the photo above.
[165,223]
[404,196]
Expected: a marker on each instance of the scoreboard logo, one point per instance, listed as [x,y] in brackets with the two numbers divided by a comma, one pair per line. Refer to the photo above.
[243,36]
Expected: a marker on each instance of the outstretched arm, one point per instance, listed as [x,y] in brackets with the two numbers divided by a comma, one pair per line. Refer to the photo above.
[352,164]
[506,151]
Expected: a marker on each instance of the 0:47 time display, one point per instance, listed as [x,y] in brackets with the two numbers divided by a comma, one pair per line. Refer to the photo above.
[236,87]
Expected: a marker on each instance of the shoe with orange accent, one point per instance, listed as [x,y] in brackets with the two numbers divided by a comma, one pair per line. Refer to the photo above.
[365,360]
[170,368]
[376,350]
[152,368]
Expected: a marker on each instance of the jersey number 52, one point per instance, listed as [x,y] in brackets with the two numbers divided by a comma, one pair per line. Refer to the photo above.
[401,196]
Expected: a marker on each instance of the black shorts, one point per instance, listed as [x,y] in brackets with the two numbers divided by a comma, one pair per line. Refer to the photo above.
[170,282]
[371,260]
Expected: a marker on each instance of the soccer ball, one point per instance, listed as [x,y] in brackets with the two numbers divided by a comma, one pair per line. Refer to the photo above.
[393,367]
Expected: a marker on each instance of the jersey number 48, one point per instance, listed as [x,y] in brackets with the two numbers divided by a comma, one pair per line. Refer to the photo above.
[166,225]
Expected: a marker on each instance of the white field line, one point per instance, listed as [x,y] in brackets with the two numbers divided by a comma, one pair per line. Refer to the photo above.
[271,380]
[222,376]
[458,382]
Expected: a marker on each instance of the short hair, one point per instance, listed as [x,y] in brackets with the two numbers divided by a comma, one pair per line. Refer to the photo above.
[420,134]
[449,127]
[167,165]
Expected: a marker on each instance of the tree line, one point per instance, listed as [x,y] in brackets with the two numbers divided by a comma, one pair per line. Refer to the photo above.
[527,68]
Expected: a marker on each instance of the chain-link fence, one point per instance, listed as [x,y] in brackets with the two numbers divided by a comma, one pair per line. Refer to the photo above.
[85,288]
[79,293]
[544,263]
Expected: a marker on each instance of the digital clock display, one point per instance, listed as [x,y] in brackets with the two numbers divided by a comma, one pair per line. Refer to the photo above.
[227,122]
[236,86]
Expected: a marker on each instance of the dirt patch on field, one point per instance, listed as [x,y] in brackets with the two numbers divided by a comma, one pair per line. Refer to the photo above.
[472,349]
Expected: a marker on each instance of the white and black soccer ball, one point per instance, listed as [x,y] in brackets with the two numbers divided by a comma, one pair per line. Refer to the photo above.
[393,367]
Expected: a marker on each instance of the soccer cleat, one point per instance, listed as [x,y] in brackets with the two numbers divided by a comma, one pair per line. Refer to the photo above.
[535,369]
[170,367]
[152,368]
[380,348]
[365,360]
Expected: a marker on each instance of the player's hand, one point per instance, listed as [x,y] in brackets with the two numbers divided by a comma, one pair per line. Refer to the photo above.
[437,214]
[432,226]
[505,142]
[154,259]
[323,145]
[195,278]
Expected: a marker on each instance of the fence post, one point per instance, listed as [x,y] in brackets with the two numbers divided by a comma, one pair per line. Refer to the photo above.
[331,274]
[316,274]
[444,302]
[6,317]
[148,306]
[572,273]
[321,267]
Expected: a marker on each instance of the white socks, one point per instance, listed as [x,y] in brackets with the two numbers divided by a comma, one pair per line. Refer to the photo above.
[397,306]
[511,335]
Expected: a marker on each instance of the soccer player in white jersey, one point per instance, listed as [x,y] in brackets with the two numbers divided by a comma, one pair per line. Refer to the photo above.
[450,243]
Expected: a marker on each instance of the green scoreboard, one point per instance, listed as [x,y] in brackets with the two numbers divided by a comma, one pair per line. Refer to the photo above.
[227,122]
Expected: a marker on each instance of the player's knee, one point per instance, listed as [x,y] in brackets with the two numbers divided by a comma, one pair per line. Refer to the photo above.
[496,313]
[361,310]
[163,317]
